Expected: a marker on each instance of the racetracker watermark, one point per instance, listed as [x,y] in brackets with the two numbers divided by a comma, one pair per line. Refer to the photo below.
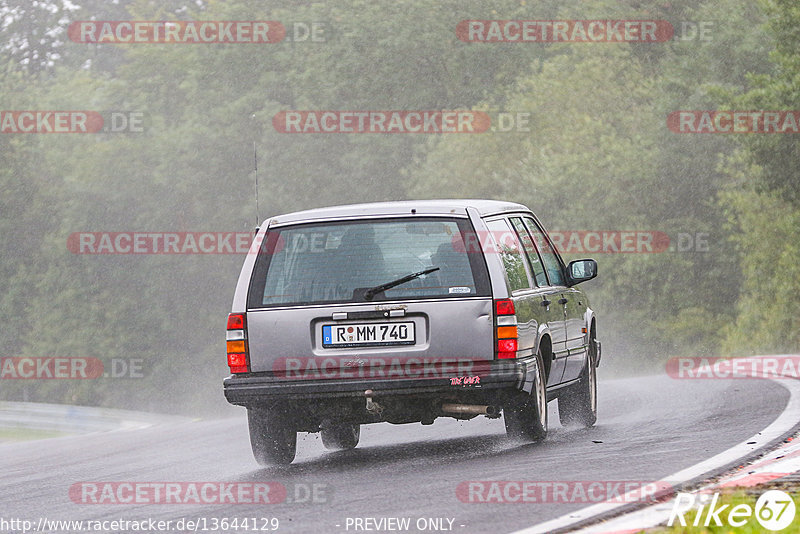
[734,122]
[564,31]
[565,241]
[69,368]
[208,492]
[544,492]
[694,30]
[610,241]
[27,122]
[587,242]
[459,371]
[50,122]
[160,242]
[177,493]
[782,366]
[176,32]
[384,122]
[148,524]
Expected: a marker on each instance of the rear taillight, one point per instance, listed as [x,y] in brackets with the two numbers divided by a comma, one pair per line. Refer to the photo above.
[236,337]
[505,329]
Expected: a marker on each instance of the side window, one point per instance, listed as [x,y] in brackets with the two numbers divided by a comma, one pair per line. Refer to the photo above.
[549,257]
[530,251]
[507,245]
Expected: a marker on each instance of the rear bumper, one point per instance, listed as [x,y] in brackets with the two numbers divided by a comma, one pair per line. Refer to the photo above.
[253,389]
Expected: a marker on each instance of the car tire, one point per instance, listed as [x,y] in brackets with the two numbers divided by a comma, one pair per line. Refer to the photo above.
[577,404]
[341,437]
[273,440]
[525,415]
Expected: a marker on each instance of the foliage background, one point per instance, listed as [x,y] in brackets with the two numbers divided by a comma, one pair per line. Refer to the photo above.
[598,156]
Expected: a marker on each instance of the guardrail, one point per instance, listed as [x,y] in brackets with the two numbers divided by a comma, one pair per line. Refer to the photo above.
[71,419]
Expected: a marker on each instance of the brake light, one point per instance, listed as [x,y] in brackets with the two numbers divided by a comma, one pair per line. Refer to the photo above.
[236,321]
[507,348]
[236,339]
[237,361]
[504,307]
[506,329]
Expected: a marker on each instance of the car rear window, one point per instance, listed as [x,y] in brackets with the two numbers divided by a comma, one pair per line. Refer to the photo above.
[337,262]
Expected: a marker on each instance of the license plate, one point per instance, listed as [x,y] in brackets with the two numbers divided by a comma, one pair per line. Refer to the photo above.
[370,334]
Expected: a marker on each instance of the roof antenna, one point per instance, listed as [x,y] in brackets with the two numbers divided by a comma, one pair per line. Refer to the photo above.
[255,167]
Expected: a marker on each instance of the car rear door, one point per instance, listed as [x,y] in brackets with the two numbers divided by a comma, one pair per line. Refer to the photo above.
[534,305]
[556,283]
[573,303]
[570,300]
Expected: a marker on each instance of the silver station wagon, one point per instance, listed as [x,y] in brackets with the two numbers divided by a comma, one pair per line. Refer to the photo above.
[403,312]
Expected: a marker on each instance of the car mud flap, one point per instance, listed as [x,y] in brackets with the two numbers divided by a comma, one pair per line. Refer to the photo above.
[529,372]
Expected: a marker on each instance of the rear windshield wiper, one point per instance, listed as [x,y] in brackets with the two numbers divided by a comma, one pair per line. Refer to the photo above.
[372,291]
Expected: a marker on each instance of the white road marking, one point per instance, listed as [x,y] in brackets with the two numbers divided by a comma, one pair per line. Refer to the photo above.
[659,513]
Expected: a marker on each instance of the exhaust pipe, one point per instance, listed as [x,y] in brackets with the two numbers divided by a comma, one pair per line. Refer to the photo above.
[470,409]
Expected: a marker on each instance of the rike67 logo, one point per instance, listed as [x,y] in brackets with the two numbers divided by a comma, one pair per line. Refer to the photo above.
[774,511]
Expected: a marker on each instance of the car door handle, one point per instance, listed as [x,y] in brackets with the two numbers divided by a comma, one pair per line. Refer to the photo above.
[545,302]
[562,300]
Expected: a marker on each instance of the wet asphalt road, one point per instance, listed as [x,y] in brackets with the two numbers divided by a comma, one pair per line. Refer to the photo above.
[648,428]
